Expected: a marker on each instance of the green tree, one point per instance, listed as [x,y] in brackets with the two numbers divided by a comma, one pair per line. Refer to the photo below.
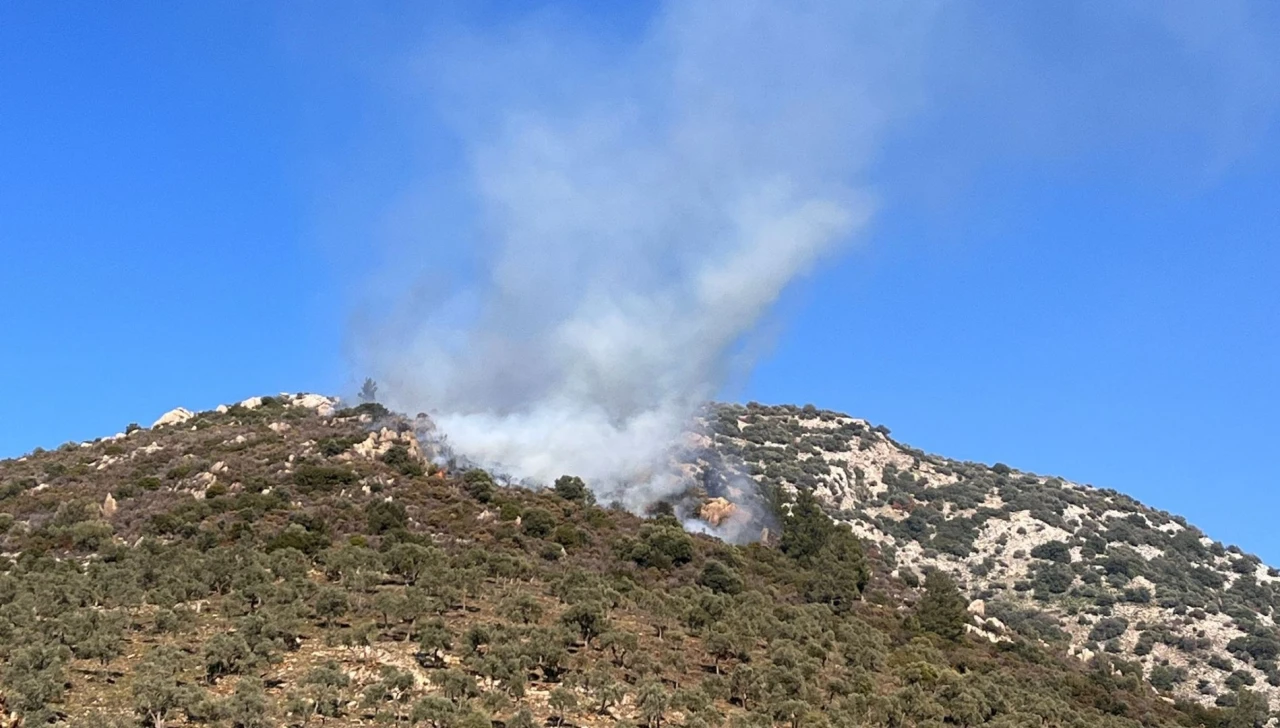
[604,690]
[619,643]
[330,603]
[410,561]
[479,485]
[35,677]
[571,488]
[102,638]
[326,688]
[368,391]
[722,645]
[562,701]
[942,609]
[805,529]
[247,707]
[840,573]
[652,700]
[225,654]
[386,515]
[589,618]
[435,639]
[433,711]
[157,693]
[537,522]
[662,546]
[524,607]
[394,687]
[720,578]
[522,719]
[456,685]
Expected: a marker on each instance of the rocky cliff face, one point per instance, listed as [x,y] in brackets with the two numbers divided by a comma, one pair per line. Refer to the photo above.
[1091,570]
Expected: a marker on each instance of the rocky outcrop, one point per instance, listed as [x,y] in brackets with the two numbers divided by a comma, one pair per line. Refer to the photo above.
[174,417]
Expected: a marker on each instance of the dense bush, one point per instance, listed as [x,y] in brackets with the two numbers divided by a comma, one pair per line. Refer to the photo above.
[661,547]
[322,478]
[538,522]
[1108,628]
[1053,551]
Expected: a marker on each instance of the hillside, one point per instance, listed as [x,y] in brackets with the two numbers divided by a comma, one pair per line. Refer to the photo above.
[284,562]
[1091,570]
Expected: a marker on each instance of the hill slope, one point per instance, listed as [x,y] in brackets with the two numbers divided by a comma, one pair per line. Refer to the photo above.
[1092,570]
[280,563]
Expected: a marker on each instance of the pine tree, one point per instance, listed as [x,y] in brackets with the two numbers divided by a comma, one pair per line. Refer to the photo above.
[369,390]
[942,610]
[806,530]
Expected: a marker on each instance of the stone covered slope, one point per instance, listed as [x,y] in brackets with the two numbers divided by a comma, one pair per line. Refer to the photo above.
[1091,569]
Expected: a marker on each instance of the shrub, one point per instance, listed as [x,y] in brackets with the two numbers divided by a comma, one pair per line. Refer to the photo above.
[720,578]
[296,536]
[1030,623]
[661,547]
[537,522]
[569,536]
[1257,647]
[1053,551]
[322,478]
[334,446]
[479,485]
[1239,679]
[1108,628]
[1164,677]
[385,515]
[1054,578]
[399,458]
[372,409]
[225,654]
[150,482]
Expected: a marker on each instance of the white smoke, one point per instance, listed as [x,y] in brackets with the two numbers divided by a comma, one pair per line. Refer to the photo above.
[636,234]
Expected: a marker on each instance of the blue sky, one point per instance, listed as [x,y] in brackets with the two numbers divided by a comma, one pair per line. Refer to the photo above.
[1072,268]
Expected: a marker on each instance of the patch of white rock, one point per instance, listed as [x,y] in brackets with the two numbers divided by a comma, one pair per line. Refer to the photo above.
[324,406]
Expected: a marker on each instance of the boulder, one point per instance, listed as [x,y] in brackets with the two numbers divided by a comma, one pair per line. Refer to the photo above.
[716,511]
[109,507]
[174,417]
[313,401]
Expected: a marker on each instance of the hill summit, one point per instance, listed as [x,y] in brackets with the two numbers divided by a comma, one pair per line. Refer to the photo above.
[291,561]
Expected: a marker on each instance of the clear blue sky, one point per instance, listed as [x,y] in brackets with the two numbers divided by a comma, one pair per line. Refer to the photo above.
[1073,270]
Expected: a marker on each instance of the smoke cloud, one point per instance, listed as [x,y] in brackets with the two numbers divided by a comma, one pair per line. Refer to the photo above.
[635,231]
[635,204]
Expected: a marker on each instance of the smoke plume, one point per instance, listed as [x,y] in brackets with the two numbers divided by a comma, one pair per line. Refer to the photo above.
[634,224]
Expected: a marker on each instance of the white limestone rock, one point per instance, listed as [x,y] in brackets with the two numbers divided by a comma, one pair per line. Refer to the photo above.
[109,507]
[174,417]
